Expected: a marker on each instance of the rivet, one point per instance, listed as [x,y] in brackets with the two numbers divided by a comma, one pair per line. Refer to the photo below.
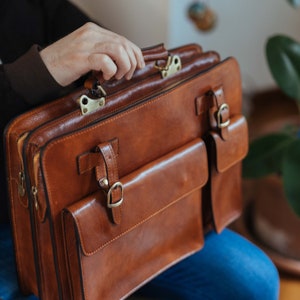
[103,182]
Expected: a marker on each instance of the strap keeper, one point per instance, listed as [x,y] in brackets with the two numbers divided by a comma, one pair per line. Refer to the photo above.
[219,113]
[110,183]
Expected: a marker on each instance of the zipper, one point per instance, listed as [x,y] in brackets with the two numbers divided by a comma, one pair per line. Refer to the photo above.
[93,119]
[34,192]
[34,187]
[21,175]
[37,191]
[21,184]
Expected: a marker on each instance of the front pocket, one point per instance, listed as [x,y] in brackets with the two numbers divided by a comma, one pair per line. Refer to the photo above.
[161,224]
[223,193]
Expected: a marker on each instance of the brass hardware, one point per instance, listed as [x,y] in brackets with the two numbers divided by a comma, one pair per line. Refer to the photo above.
[172,66]
[88,105]
[103,183]
[222,124]
[116,185]
[21,185]
[34,191]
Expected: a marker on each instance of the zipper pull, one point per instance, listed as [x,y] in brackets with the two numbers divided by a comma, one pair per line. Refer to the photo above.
[34,192]
[21,182]
[34,188]
[21,185]
[37,191]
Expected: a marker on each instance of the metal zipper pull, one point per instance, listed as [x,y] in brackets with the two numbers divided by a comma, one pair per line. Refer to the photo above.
[21,184]
[37,190]
[34,187]
[34,192]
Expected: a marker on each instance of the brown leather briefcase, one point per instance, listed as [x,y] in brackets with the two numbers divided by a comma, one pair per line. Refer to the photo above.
[114,183]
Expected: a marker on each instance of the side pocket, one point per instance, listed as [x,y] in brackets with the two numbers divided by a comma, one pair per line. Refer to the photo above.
[223,193]
[161,224]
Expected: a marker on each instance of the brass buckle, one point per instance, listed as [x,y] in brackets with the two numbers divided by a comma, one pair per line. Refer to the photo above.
[88,105]
[116,185]
[220,123]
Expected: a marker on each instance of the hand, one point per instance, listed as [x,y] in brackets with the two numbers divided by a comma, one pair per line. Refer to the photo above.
[91,48]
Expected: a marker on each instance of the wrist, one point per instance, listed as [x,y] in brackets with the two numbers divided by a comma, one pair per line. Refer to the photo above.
[30,78]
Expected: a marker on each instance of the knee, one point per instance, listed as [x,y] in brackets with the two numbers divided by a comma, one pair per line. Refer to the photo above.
[247,271]
[260,280]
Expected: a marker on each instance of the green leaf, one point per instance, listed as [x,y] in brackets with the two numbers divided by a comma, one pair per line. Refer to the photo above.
[265,155]
[295,3]
[283,56]
[291,175]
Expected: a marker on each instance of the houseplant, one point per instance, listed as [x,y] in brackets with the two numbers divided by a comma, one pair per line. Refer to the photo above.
[279,152]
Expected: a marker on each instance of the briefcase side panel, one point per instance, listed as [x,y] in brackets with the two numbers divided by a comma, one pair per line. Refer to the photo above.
[16,133]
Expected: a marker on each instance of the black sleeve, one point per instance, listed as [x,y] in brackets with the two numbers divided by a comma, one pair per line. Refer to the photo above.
[24,79]
[23,84]
[62,18]
[30,79]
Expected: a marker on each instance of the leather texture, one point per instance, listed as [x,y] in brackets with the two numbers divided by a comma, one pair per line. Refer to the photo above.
[101,203]
[150,225]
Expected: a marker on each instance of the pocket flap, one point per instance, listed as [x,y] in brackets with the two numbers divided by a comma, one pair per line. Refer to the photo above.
[147,192]
[232,150]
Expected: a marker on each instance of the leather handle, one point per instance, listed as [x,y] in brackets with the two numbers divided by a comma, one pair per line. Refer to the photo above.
[151,55]
[155,53]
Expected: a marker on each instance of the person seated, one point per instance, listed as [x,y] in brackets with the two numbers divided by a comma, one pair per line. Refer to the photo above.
[48,45]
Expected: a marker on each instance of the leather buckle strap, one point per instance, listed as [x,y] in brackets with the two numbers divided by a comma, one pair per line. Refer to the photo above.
[107,176]
[219,113]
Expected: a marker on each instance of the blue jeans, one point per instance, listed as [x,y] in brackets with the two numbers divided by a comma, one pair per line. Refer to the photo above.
[228,267]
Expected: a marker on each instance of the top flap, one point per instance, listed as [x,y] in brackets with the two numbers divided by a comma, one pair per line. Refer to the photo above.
[147,192]
[232,150]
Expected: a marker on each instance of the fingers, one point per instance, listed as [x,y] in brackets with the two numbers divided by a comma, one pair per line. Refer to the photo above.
[136,60]
[103,63]
[126,56]
[91,48]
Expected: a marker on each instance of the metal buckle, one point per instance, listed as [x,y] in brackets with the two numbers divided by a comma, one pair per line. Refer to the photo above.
[221,124]
[172,66]
[88,105]
[116,185]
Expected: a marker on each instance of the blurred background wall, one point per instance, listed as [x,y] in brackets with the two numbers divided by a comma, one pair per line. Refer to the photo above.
[242,28]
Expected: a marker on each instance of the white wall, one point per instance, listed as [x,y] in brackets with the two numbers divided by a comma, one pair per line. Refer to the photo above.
[144,22]
[242,29]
